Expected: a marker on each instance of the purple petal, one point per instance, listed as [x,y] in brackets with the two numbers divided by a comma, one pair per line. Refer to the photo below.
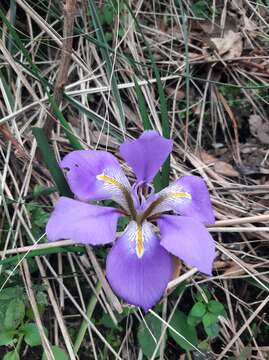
[187,196]
[140,278]
[146,154]
[200,206]
[87,224]
[189,240]
[84,169]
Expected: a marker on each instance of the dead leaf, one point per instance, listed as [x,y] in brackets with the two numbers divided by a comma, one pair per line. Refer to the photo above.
[259,129]
[177,264]
[177,270]
[179,95]
[249,25]
[230,46]
[223,168]
[220,167]
[234,270]
[219,264]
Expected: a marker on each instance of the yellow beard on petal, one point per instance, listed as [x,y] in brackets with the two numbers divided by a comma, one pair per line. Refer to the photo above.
[178,194]
[125,192]
[110,180]
[139,241]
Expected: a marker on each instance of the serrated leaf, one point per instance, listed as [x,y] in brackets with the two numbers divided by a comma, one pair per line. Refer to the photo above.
[31,334]
[58,353]
[14,314]
[215,307]
[189,339]
[12,355]
[145,337]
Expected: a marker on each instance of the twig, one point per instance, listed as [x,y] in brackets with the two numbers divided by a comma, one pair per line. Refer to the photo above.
[243,328]
[66,51]
[244,220]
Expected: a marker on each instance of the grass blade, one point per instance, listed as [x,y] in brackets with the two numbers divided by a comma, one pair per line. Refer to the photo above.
[51,162]
[162,97]
[147,126]
[107,60]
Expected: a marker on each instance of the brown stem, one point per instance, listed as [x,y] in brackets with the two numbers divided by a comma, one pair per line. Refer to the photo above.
[66,51]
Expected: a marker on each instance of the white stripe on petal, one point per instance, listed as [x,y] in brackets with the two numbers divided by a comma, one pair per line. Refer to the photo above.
[114,181]
[169,198]
[139,237]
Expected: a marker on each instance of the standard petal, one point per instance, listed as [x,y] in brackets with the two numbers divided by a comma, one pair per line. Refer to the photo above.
[146,154]
[95,175]
[189,240]
[187,196]
[139,277]
[85,223]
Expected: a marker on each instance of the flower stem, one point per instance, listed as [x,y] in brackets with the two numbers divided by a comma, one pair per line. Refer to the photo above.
[188,355]
[84,325]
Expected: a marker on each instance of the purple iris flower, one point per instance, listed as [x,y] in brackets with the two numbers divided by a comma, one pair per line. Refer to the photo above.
[139,264]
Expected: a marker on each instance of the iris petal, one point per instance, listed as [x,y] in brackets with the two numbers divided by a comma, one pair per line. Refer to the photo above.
[139,274]
[85,223]
[146,154]
[189,240]
[95,175]
[187,196]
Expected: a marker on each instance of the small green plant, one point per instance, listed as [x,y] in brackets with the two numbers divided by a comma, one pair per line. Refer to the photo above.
[38,217]
[16,320]
[201,9]
[206,313]
[148,335]
[107,15]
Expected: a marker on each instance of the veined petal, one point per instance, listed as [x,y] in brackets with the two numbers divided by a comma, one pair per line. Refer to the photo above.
[187,196]
[85,223]
[138,268]
[95,175]
[189,240]
[146,154]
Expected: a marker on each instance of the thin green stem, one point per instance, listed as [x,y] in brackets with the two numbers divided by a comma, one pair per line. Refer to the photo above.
[41,252]
[188,355]
[84,325]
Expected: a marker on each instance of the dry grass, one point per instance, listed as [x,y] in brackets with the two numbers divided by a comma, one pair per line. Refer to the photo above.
[210,95]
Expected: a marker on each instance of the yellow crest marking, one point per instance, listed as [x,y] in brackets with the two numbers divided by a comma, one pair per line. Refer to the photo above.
[123,189]
[179,194]
[110,180]
[139,241]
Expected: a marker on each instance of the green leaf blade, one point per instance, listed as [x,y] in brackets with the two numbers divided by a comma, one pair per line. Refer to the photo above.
[15,314]
[51,162]
[188,341]
[148,335]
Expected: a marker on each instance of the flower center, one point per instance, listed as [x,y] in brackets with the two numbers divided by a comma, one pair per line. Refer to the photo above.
[169,195]
[110,180]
